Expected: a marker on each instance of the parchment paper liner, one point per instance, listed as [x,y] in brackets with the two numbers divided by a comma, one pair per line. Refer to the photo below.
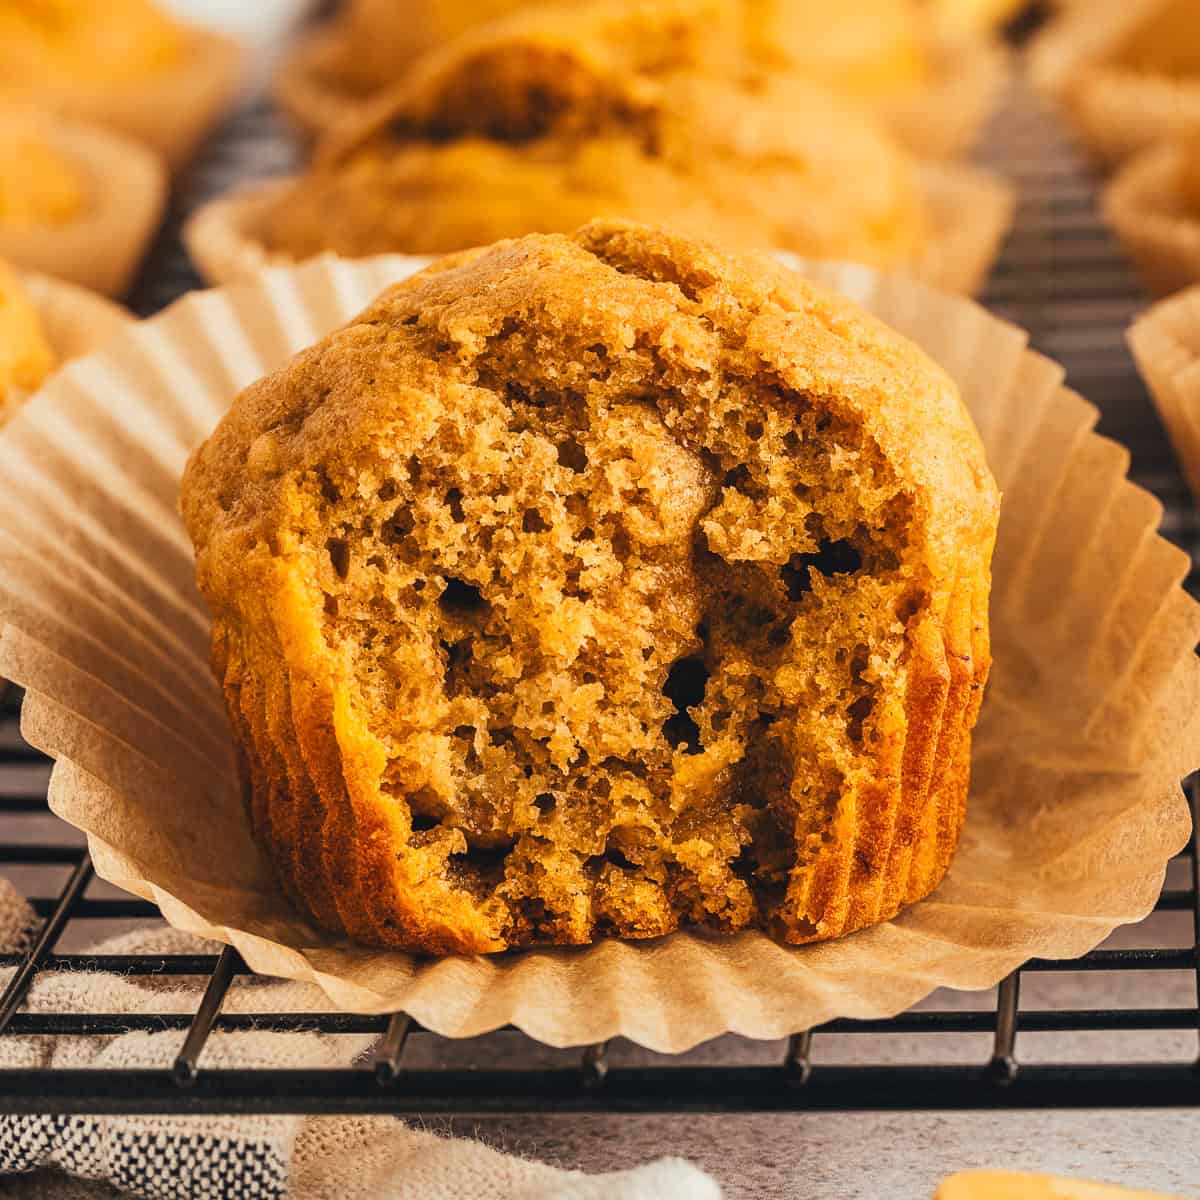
[171,110]
[971,212]
[100,249]
[1165,341]
[1143,205]
[1091,720]
[1116,112]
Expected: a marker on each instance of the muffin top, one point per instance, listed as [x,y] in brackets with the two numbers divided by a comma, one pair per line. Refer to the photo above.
[591,564]
[25,355]
[865,49]
[38,185]
[66,44]
[375,41]
[606,109]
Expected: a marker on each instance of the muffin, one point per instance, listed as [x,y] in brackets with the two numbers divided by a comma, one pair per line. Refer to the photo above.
[611,109]
[1127,75]
[1153,205]
[914,67]
[1021,1185]
[125,64]
[600,584]
[76,201]
[25,355]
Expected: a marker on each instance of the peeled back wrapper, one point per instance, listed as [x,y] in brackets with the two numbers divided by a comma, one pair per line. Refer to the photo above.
[1091,719]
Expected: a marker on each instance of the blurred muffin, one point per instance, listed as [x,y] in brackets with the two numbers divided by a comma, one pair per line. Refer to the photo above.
[76,201]
[1153,205]
[122,63]
[25,355]
[1127,74]
[549,118]
[933,90]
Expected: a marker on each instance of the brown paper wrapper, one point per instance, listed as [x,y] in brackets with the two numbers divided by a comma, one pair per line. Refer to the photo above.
[1116,112]
[126,186]
[1165,341]
[1160,233]
[1091,719]
[970,212]
[169,111]
[945,118]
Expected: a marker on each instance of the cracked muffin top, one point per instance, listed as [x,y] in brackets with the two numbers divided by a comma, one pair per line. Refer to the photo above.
[599,584]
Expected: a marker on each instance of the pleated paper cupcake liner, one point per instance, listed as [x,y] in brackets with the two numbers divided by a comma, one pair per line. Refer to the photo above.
[1165,341]
[944,118]
[171,110]
[971,212]
[1091,719]
[1116,112]
[1143,206]
[125,193]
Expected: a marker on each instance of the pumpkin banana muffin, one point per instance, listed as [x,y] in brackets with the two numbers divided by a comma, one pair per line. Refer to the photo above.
[1126,72]
[920,68]
[600,584]
[125,64]
[533,125]
[25,355]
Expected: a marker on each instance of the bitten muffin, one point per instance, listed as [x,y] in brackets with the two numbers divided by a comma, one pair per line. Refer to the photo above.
[601,584]
[1126,72]
[608,110]
[25,355]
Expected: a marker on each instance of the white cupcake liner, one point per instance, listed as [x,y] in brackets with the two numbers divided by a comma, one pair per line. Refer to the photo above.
[1091,719]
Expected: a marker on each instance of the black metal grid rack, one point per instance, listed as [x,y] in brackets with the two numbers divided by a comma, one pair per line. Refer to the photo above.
[1062,279]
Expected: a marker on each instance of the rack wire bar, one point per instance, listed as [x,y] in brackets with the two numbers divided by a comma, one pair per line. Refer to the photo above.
[387,1056]
[185,1068]
[51,931]
[680,1089]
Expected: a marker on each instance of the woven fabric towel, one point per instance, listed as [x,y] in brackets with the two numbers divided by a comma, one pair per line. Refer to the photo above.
[260,1157]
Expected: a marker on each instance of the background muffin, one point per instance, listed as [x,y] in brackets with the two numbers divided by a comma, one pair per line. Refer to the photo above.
[542,121]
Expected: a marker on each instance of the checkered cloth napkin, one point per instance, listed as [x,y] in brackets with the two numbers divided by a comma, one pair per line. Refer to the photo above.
[260,1157]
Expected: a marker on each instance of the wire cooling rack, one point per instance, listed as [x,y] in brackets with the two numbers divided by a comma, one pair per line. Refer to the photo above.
[1062,278]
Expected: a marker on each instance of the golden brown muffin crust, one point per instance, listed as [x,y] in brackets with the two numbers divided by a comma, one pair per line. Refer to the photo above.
[600,584]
